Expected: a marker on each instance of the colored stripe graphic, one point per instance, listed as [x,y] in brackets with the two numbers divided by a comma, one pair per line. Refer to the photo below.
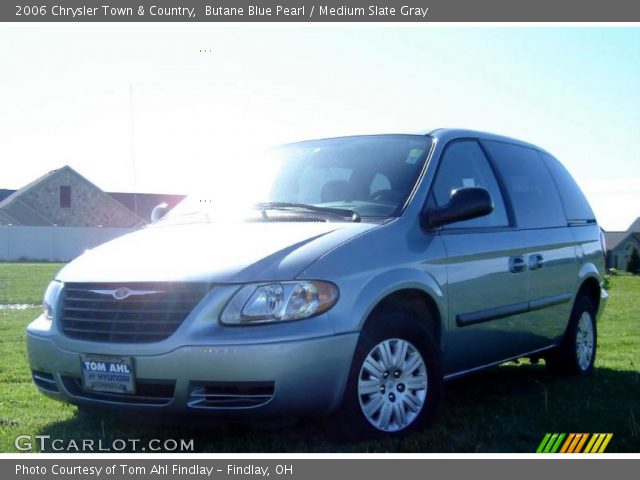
[596,446]
[565,447]
[556,445]
[543,443]
[590,444]
[574,443]
[605,443]
[599,443]
[581,443]
[551,443]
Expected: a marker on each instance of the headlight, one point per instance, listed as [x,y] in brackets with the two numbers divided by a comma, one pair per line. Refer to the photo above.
[279,302]
[50,299]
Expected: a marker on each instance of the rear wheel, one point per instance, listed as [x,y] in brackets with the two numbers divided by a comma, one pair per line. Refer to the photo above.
[577,352]
[395,381]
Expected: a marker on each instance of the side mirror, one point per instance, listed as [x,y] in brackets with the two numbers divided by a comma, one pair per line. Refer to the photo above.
[159,211]
[465,203]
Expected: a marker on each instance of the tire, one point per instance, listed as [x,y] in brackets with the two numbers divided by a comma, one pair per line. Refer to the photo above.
[395,381]
[577,352]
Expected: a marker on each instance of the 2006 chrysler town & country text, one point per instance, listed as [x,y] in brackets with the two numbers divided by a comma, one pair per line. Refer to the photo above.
[372,269]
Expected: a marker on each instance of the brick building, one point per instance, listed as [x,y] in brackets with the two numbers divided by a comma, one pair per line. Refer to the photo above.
[621,244]
[64,198]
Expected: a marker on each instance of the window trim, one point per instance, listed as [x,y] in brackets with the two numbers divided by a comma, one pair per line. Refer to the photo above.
[502,185]
[538,152]
[571,222]
[426,161]
[507,204]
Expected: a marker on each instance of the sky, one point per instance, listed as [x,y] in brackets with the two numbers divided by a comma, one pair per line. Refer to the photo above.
[178,109]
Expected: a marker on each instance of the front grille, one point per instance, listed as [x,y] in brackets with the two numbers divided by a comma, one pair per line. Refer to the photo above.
[230,394]
[148,392]
[91,312]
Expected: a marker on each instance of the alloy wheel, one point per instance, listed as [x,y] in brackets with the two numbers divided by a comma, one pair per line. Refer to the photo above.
[584,341]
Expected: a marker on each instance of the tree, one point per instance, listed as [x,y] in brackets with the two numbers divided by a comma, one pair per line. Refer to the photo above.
[633,265]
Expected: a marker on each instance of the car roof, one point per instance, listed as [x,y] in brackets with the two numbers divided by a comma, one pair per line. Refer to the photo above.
[447,134]
[440,135]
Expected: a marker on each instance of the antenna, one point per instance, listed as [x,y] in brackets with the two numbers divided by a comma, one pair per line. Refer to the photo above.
[133,152]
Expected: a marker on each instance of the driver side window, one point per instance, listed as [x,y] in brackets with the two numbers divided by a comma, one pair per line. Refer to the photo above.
[465,165]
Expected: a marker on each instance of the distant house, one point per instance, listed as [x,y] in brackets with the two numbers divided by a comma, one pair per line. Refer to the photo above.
[621,244]
[64,198]
[143,203]
[4,193]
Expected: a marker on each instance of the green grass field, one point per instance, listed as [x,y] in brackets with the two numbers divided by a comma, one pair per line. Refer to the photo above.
[23,283]
[503,409]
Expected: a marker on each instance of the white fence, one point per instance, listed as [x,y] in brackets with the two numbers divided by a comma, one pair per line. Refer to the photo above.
[52,243]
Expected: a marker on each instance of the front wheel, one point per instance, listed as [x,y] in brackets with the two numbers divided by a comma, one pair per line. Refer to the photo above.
[395,381]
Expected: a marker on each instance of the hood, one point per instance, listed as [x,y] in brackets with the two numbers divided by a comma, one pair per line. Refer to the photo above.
[211,252]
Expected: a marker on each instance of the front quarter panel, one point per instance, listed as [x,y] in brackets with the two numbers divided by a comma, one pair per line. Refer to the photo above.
[396,256]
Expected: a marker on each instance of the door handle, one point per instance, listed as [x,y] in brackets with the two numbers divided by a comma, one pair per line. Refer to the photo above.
[536,261]
[517,264]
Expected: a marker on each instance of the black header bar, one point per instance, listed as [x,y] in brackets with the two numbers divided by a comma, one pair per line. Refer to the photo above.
[319,11]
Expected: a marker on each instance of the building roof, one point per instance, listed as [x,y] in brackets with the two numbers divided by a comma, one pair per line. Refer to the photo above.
[144,203]
[23,214]
[140,205]
[15,196]
[614,239]
[4,193]
[19,212]
[635,226]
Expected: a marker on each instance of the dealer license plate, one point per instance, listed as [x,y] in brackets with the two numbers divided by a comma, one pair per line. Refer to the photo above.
[108,374]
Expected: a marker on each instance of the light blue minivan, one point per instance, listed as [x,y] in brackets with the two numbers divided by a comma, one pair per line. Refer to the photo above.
[367,271]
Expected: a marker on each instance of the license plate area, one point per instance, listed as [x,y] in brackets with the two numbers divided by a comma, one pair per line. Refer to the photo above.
[108,374]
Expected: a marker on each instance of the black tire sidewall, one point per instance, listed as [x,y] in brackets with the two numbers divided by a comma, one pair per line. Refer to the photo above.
[383,327]
[565,359]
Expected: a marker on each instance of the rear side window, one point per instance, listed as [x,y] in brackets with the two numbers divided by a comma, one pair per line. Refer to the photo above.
[464,165]
[575,203]
[533,193]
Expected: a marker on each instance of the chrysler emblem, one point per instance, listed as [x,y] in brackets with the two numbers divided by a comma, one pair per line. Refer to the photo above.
[124,292]
[121,293]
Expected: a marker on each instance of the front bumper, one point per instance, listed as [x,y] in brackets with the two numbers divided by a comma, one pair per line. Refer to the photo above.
[294,378]
[604,296]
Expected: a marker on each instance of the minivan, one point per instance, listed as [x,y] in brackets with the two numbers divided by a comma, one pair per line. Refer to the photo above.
[350,275]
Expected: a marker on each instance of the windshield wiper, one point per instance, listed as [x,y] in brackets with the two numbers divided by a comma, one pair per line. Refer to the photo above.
[341,212]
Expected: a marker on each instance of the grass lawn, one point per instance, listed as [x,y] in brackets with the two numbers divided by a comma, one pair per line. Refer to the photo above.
[503,409]
[25,282]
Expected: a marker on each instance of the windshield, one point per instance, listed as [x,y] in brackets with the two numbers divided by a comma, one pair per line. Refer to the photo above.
[369,175]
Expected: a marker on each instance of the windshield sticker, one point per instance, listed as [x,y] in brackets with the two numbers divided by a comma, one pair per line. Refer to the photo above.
[414,156]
